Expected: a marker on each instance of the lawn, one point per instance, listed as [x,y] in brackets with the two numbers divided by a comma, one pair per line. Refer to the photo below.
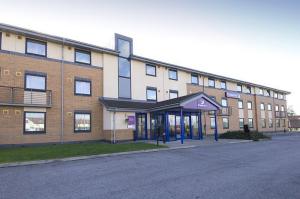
[28,153]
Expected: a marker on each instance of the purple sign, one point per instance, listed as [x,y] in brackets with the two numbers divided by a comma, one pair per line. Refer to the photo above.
[201,104]
[233,95]
[131,120]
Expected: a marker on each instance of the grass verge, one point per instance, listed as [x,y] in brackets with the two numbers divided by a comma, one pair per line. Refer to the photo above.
[45,152]
[253,135]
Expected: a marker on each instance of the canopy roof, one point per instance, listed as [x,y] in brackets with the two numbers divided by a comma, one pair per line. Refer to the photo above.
[192,102]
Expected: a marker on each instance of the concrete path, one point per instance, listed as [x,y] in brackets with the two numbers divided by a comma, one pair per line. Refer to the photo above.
[268,169]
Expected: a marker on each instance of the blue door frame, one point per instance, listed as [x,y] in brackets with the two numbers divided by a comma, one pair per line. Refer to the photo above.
[145,136]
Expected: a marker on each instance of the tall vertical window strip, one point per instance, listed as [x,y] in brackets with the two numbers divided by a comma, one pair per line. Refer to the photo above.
[124,47]
[82,122]
[194,79]
[35,47]
[34,122]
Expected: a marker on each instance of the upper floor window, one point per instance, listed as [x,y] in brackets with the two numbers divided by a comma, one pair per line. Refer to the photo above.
[83,57]
[276,95]
[194,79]
[82,122]
[35,47]
[262,106]
[150,70]
[282,108]
[173,74]
[269,107]
[248,89]
[211,83]
[276,108]
[268,93]
[280,96]
[34,122]
[223,85]
[239,88]
[224,102]
[240,104]
[249,105]
[124,68]
[35,81]
[173,94]
[260,91]
[83,87]
[225,121]
[124,47]
[151,94]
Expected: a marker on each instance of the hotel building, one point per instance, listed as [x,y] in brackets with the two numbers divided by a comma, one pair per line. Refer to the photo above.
[54,89]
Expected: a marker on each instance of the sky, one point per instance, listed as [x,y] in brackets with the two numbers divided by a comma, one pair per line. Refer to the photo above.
[256,40]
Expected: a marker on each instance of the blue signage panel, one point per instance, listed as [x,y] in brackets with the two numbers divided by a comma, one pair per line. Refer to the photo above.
[233,95]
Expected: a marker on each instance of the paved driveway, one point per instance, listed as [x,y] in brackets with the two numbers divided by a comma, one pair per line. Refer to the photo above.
[269,169]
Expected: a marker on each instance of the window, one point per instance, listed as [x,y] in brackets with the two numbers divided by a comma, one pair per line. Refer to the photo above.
[225,123]
[224,102]
[283,122]
[83,57]
[0,40]
[240,104]
[173,74]
[35,81]
[211,83]
[82,122]
[212,123]
[282,108]
[150,70]
[260,91]
[173,94]
[124,47]
[239,88]
[262,106]
[276,95]
[194,79]
[124,67]
[270,123]
[269,107]
[280,96]
[276,108]
[241,123]
[249,105]
[35,47]
[34,122]
[124,87]
[83,87]
[223,85]
[248,89]
[250,122]
[277,122]
[268,93]
[263,123]
[151,94]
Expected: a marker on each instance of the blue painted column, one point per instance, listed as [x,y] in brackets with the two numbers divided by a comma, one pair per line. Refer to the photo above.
[181,126]
[216,126]
[200,126]
[190,126]
[167,130]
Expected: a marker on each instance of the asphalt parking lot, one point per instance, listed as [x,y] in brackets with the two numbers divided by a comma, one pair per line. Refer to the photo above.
[266,169]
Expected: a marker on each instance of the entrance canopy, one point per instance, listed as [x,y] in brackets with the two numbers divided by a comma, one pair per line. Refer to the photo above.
[194,102]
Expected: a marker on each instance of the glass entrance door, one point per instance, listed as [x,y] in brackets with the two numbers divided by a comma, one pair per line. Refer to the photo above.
[141,126]
[172,127]
[187,127]
[177,127]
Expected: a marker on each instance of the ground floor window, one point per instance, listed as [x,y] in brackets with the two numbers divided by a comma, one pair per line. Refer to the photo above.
[277,122]
[212,123]
[225,123]
[241,123]
[34,122]
[82,122]
[250,122]
[283,123]
[263,123]
[270,123]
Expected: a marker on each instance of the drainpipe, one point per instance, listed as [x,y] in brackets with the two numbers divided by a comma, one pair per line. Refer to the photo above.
[62,92]
[114,127]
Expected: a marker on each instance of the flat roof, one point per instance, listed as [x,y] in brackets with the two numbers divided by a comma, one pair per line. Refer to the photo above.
[31,33]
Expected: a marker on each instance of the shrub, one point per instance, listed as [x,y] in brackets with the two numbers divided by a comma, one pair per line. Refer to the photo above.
[253,135]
